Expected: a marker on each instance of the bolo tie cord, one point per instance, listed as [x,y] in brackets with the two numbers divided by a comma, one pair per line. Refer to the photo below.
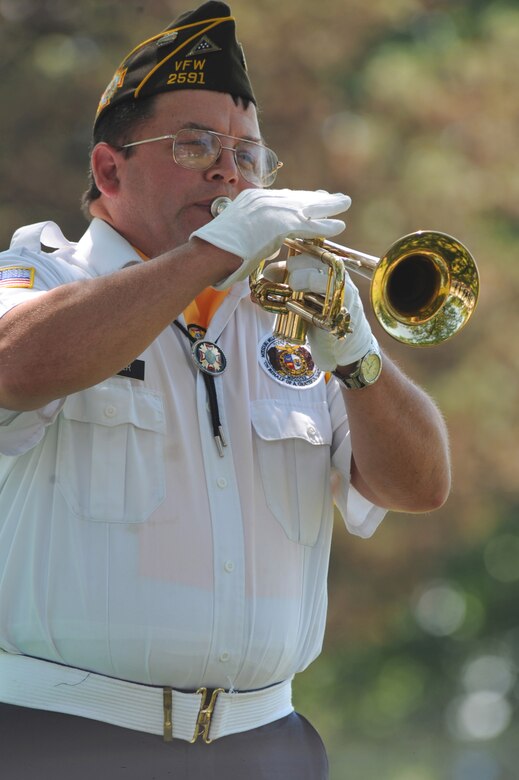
[211,395]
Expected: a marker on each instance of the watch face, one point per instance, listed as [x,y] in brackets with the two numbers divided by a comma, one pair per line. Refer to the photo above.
[370,367]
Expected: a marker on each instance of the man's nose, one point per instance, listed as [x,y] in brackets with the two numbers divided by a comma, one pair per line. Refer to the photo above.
[225,168]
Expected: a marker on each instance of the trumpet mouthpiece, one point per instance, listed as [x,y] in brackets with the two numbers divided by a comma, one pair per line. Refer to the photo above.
[219,204]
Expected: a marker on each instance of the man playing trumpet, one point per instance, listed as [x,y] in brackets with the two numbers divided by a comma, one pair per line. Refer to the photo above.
[165,489]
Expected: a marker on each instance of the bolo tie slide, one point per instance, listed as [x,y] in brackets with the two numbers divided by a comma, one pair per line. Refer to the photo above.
[210,361]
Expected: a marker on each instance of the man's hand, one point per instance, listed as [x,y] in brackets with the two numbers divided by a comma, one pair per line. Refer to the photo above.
[309,274]
[255,224]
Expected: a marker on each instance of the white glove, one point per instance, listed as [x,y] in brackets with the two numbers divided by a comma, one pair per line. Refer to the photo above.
[308,273]
[255,224]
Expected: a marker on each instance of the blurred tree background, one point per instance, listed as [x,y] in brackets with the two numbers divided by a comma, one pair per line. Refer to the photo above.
[411,107]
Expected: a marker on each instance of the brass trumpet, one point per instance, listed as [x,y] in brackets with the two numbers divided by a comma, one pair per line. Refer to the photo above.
[423,290]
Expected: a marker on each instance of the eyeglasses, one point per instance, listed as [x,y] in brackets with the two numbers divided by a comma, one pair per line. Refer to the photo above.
[200,149]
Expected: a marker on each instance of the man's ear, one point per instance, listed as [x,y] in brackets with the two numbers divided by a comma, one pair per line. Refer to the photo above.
[105,168]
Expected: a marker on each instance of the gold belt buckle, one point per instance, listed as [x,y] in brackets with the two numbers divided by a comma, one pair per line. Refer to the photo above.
[168,714]
[203,723]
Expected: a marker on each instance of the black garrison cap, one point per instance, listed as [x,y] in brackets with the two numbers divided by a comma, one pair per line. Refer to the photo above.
[199,50]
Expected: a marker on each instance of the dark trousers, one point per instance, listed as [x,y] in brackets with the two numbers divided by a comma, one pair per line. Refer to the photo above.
[52,746]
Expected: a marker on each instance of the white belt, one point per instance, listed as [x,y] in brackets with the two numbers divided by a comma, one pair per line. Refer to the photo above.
[43,685]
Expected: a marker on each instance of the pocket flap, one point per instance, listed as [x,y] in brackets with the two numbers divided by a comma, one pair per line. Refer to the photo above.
[116,403]
[274,420]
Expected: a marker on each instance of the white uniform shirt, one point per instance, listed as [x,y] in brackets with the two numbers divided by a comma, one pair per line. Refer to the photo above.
[128,545]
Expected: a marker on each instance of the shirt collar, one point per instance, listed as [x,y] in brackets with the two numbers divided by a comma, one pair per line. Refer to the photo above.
[105,249]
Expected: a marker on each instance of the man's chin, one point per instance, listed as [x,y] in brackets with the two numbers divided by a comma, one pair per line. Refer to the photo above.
[194,218]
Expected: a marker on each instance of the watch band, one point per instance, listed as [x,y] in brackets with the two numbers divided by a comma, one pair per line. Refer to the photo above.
[351,381]
[366,370]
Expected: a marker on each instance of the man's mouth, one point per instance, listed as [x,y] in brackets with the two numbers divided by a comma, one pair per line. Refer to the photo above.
[206,203]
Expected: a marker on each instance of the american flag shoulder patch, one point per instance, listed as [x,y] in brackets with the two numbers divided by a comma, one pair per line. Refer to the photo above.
[17,276]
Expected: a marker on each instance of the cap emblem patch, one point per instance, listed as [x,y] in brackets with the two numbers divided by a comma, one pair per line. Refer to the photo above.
[203,46]
[115,84]
[168,38]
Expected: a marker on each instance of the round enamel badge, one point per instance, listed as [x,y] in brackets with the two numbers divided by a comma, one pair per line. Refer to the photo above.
[287,363]
[208,357]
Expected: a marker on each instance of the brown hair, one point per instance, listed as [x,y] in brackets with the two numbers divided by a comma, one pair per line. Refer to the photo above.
[116,127]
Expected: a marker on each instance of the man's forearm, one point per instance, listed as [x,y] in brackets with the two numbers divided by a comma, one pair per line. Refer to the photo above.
[400,444]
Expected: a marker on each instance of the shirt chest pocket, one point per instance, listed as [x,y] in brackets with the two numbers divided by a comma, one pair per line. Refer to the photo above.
[110,463]
[293,451]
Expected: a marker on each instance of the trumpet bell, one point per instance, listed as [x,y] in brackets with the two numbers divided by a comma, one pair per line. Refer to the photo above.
[425,288]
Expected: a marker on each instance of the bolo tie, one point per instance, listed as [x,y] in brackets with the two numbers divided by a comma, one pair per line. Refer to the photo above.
[210,361]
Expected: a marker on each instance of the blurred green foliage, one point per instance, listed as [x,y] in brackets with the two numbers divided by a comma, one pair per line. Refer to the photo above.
[411,107]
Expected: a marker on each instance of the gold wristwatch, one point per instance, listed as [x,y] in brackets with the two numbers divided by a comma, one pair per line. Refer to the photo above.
[365,372]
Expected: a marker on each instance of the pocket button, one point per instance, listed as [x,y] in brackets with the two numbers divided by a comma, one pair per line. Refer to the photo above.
[110,411]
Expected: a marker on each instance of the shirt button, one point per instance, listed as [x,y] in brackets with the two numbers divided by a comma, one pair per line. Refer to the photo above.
[221,482]
[224,657]
[110,411]
[229,566]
